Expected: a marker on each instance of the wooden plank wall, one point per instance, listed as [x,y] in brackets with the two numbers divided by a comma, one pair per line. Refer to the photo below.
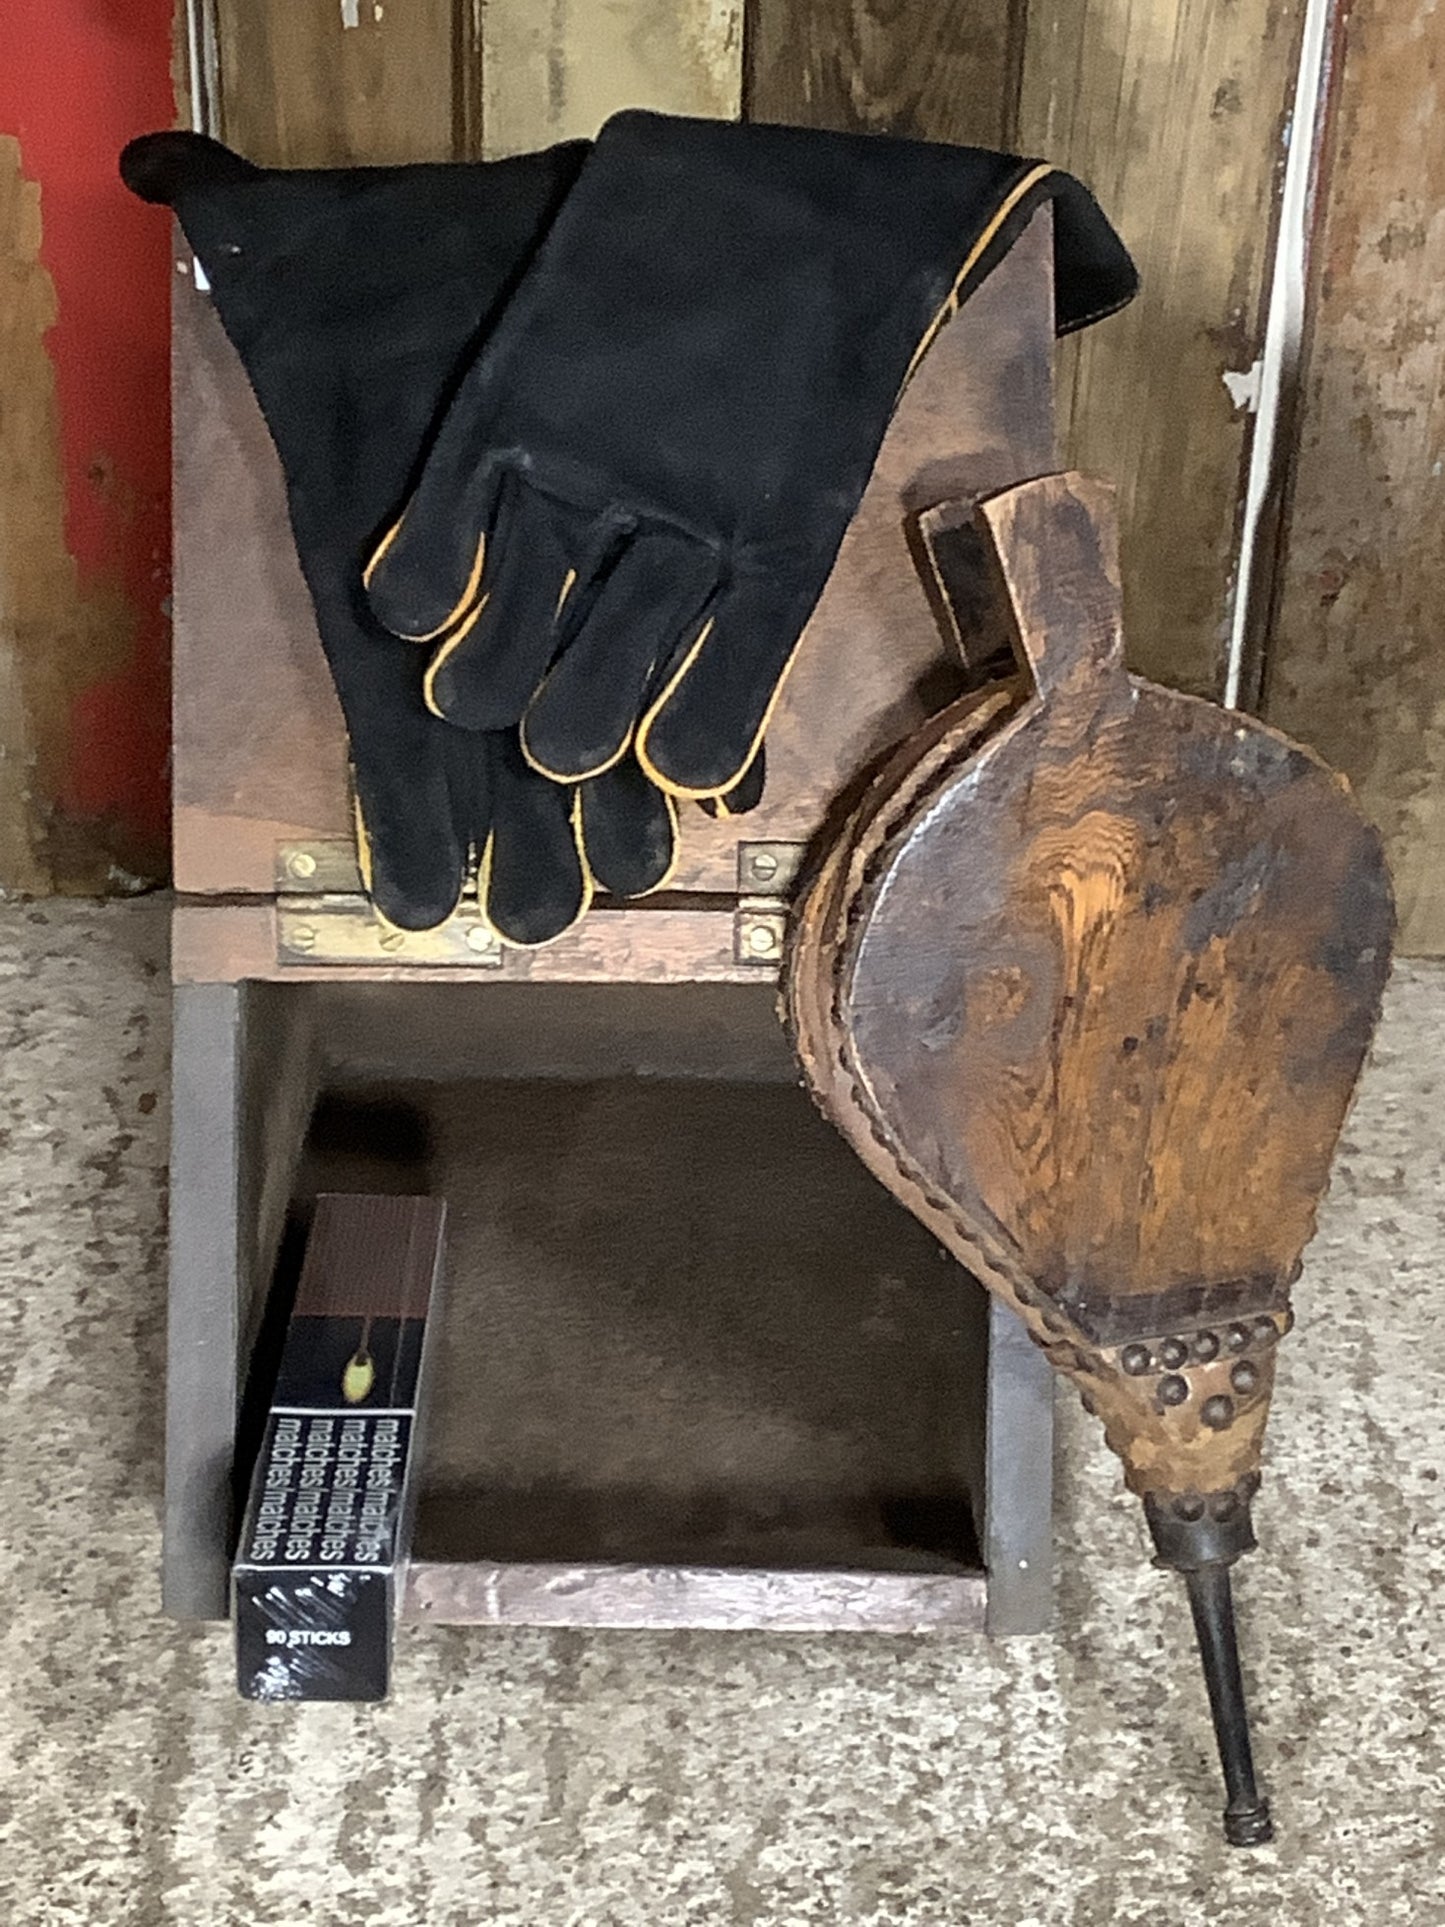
[927,69]
[325,82]
[1173,111]
[1356,664]
[556,71]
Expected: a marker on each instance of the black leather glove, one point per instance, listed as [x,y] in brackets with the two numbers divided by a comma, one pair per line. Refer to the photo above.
[637,494]
[352,297]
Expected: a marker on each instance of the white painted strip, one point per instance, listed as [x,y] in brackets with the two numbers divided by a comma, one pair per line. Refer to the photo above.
[201,68]
[1278,367]
[195,31]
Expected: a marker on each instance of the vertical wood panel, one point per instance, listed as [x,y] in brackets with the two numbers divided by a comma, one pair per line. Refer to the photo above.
[325,83]
[84,457]
[203,1334]
[555,69]
[36,571]
[1356,665]
[1172,111]
[927,69]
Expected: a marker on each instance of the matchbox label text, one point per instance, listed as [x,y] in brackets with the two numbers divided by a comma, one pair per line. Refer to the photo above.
[329,1492]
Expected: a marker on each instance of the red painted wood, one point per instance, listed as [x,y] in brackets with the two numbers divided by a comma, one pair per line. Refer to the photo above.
[77,79]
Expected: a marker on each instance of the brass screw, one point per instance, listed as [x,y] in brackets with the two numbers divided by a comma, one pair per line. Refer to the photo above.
[479,938]
[765,865]
[302,939]
[302,864]
[392,940]
[763,940]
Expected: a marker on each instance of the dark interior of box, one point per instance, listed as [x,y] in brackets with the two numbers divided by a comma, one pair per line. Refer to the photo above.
[681,1323]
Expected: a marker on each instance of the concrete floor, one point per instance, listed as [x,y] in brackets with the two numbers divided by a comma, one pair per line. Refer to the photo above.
[561,1780]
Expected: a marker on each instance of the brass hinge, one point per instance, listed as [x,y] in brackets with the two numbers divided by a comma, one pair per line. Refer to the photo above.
[317,869]
[337,929]
[767,876]
[323,917]
[769,869]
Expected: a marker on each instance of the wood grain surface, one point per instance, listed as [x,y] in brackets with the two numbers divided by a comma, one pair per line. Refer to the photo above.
[1355,665]
[497,1593]
[1174,116]
[556,72]
[335,83]
[260,747]
[37,572]
[655,944]
[1099,987]
[945,71]
[83,518]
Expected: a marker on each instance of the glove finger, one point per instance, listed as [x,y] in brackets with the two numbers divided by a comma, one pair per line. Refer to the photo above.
[582,719]
[533,882]
[699,735]
[163,167]
[745,794]
[485,673]
[424,575]
[629,831]
[412,853]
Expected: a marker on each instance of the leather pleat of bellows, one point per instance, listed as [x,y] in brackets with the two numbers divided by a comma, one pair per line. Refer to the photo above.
[570,443]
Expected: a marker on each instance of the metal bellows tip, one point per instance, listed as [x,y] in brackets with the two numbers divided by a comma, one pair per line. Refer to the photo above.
[1247,1821]
[1201,1536]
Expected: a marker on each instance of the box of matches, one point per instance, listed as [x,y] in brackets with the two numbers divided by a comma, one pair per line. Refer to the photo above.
[325,1539]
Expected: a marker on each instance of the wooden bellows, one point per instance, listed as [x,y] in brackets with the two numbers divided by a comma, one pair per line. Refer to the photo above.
[1087,980]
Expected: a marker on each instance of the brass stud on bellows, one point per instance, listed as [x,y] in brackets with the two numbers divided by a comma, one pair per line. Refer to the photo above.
[1206,1346]
[1173,1390]
[1172,1353]
[1136,1360]
[1244,1377]
[1217,1412]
